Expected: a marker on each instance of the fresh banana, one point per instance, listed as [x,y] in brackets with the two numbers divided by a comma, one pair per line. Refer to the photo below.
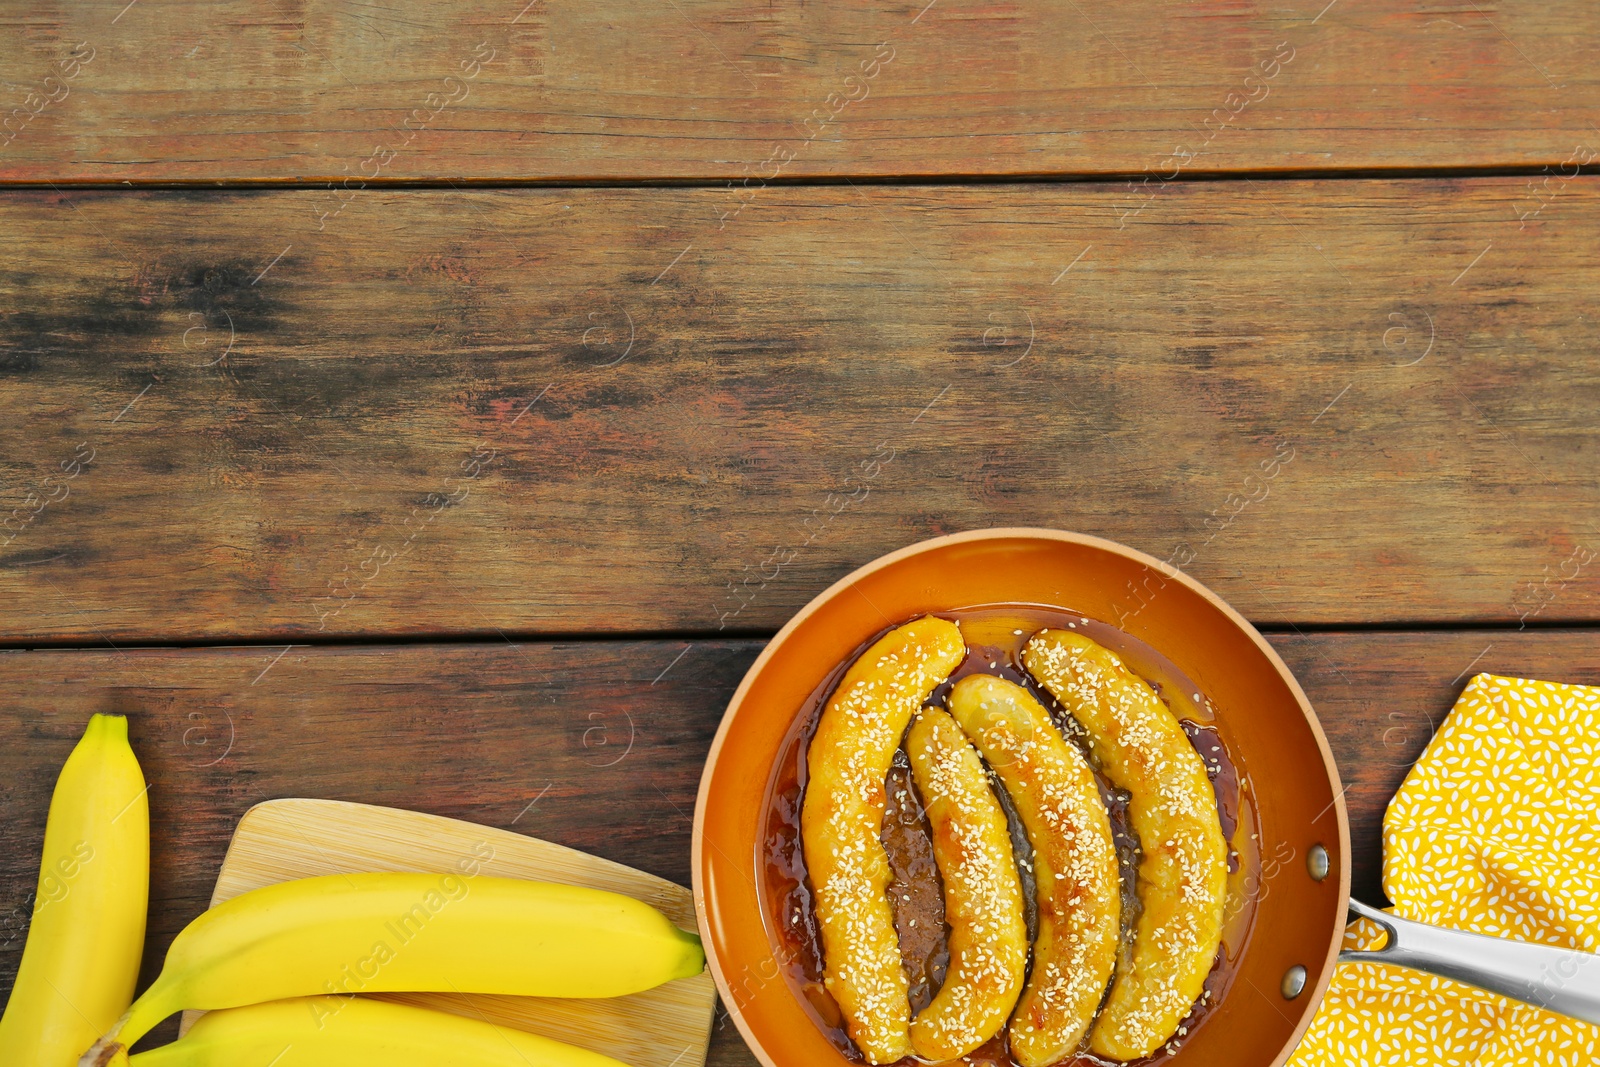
[82,957]
[346,1031]
[424,933]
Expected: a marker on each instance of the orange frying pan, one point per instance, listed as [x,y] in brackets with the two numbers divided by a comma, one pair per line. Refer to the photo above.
[1280,967]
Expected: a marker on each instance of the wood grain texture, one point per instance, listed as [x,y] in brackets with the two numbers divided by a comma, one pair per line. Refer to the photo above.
[708,89]
[548,412]
[304,838]
[597,745]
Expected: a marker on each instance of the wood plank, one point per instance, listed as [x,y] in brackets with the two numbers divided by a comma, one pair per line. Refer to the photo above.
[545,412]
[597,745]
[712,89]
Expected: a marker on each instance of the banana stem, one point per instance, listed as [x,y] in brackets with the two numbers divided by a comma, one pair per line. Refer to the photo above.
[114,1054]
[112,1049]
[104,1051]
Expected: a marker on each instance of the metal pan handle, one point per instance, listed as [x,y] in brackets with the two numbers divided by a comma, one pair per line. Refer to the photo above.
[1557,979]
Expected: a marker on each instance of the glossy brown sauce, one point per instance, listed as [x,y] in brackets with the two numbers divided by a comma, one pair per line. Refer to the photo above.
[995,636]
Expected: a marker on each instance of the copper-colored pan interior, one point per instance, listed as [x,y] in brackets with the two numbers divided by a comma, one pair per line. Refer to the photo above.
[1298,920]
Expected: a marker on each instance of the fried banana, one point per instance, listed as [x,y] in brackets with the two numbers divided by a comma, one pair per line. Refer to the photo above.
[1074,863]
[1183,872]
[841,819]
[982,893]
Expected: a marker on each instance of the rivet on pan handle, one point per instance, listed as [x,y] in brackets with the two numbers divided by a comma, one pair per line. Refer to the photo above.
[1556,979]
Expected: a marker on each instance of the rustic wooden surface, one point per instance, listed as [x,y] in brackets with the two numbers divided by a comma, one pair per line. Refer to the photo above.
[706,89]
[592,744]
[548,412]
[530,457]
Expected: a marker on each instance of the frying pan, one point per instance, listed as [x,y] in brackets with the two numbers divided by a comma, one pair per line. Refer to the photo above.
[1279,972]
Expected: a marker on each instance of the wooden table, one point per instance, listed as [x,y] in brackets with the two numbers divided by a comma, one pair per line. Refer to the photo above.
[438,405]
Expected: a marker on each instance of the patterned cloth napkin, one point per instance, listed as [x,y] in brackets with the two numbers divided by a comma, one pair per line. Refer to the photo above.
[1495,830]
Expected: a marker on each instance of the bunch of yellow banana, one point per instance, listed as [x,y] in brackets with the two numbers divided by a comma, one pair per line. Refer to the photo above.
[277,968]
[421,933]
[82,956]
[341,1032]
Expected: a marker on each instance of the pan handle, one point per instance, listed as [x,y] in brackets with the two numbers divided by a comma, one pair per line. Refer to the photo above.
[1556,979]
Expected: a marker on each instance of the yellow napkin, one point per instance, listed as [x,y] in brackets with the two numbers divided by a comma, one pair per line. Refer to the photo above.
[1495,830]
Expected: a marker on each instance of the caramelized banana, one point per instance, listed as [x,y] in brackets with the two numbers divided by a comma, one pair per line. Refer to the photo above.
[1182,881]
[1074,863]
[982,893]
[842,817]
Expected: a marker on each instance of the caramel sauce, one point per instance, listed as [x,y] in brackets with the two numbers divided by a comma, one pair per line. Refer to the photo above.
[995,636]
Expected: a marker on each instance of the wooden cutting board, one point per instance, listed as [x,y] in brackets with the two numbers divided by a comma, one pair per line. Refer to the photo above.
[668,1026]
